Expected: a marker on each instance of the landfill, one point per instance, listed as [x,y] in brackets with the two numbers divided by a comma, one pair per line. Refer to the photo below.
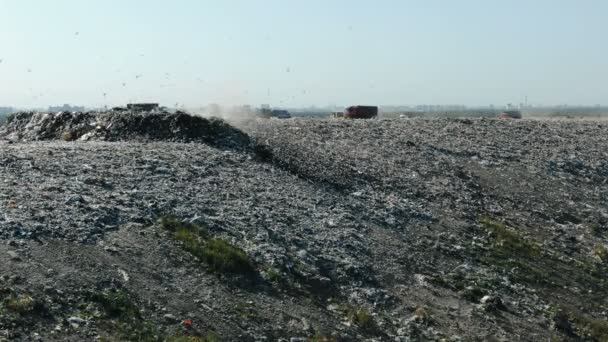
[356,230]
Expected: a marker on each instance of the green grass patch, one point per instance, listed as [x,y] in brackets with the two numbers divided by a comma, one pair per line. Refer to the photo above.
[223,257]
[177,226]
[245,311]
[508,241]
[20,304]
[116,304]
[359,316]
[219,255]
[596,329]
[591,329]
[273,275]
[209,337]
[601,252]
[597,229]
[122,317]
[322,338]
[523,261]
[517,255]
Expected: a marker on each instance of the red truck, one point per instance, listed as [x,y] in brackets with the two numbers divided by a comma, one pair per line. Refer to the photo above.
[361,112]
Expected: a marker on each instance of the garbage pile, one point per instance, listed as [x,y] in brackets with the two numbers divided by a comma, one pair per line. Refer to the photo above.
[122,125]
[359,230]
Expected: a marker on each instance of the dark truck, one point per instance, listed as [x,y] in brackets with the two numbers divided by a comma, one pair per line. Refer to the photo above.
[361,112]
[281,114]
[268,113]
[142,107]
[510,114]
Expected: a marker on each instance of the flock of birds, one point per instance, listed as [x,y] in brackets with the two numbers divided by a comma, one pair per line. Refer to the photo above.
[167,77]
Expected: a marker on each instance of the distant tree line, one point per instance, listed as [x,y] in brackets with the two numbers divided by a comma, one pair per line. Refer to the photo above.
[566,111]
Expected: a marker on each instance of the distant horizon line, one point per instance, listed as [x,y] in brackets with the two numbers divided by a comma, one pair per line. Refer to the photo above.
[322,107]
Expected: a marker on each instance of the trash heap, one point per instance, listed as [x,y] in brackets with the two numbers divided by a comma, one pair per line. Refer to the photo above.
[123,125]
[359,230]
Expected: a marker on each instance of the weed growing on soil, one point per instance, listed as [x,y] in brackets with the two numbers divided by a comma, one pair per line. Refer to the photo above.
[180,227]
[223,257]
[519,259]
[116,304]
[123,318]
[191,241]
[511,251]
[596,229]
[601,252]
[218,254]
[595,328]
[509,241]
[589,328]
[244,310]
[209,337]
[322,338]
[273,275]
[359,316]
[19,304]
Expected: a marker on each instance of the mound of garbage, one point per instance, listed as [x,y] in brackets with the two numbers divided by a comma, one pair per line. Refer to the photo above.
[349,230]
[121,125]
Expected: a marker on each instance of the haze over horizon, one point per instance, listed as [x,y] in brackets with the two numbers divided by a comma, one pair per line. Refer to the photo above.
[192,53]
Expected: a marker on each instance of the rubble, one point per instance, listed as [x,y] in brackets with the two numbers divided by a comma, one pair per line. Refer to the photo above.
[134,124]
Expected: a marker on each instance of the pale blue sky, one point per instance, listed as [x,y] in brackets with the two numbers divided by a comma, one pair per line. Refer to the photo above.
[295,53]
